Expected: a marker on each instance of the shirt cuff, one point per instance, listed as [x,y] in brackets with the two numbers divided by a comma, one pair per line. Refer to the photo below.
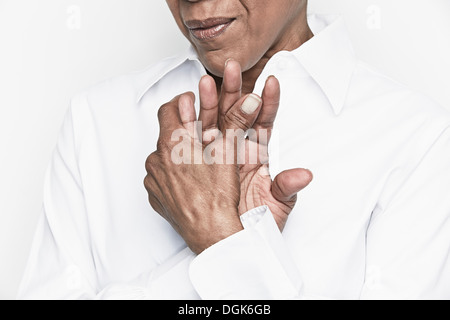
[170,281]
[251,264]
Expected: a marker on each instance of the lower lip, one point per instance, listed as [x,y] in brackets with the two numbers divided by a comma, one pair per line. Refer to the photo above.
[210,33]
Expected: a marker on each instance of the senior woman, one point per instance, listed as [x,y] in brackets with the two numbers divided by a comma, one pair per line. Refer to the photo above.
[373,223]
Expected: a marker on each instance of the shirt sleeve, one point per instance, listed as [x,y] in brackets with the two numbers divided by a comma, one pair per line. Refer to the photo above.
[407,249]
[408,240]
[251,264]
[61,263]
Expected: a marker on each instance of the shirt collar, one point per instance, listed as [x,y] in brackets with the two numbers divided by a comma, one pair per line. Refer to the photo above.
[156,72]
[328,57]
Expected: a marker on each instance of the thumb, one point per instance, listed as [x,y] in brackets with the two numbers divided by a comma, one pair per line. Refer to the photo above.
[243,114]
[288,183]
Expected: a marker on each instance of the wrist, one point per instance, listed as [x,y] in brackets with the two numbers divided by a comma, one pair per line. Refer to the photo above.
[222,229]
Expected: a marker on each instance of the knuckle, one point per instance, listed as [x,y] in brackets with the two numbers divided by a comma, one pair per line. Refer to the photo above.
[162,111]
[272,104]
[266,124]
[237,119]
[189,94]
[293,199]
[234,90]
[155,204]
[209,127]
[147,182]
[162,145]
[151,162]
[150,184]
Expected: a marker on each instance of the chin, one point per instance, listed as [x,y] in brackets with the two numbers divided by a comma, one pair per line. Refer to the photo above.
[215,66]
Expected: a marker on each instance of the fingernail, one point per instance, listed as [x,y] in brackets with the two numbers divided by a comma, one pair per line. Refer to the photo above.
[269,77]
[251,103]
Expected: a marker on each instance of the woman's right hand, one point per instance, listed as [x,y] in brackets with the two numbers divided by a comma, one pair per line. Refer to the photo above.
[256,186]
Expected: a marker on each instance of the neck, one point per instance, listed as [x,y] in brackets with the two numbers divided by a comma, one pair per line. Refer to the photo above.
[291,39]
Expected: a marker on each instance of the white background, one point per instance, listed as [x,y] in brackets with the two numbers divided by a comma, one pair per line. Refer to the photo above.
[52,49]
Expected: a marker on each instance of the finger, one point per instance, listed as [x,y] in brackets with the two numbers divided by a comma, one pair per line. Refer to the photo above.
[231,86]
[209,105]
[266,118]
[169,117]
[288,183]
[243,114]
[188,117]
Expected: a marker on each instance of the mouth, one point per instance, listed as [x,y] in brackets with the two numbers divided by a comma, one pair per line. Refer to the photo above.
[208,29]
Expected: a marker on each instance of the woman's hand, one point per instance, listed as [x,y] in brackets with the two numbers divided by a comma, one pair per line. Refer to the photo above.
[256,186]
[202,199]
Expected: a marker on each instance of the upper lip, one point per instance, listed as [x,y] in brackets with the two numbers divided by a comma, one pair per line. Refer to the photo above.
[206,24]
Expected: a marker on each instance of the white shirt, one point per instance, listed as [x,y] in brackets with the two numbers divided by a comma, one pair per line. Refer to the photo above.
[374,223]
